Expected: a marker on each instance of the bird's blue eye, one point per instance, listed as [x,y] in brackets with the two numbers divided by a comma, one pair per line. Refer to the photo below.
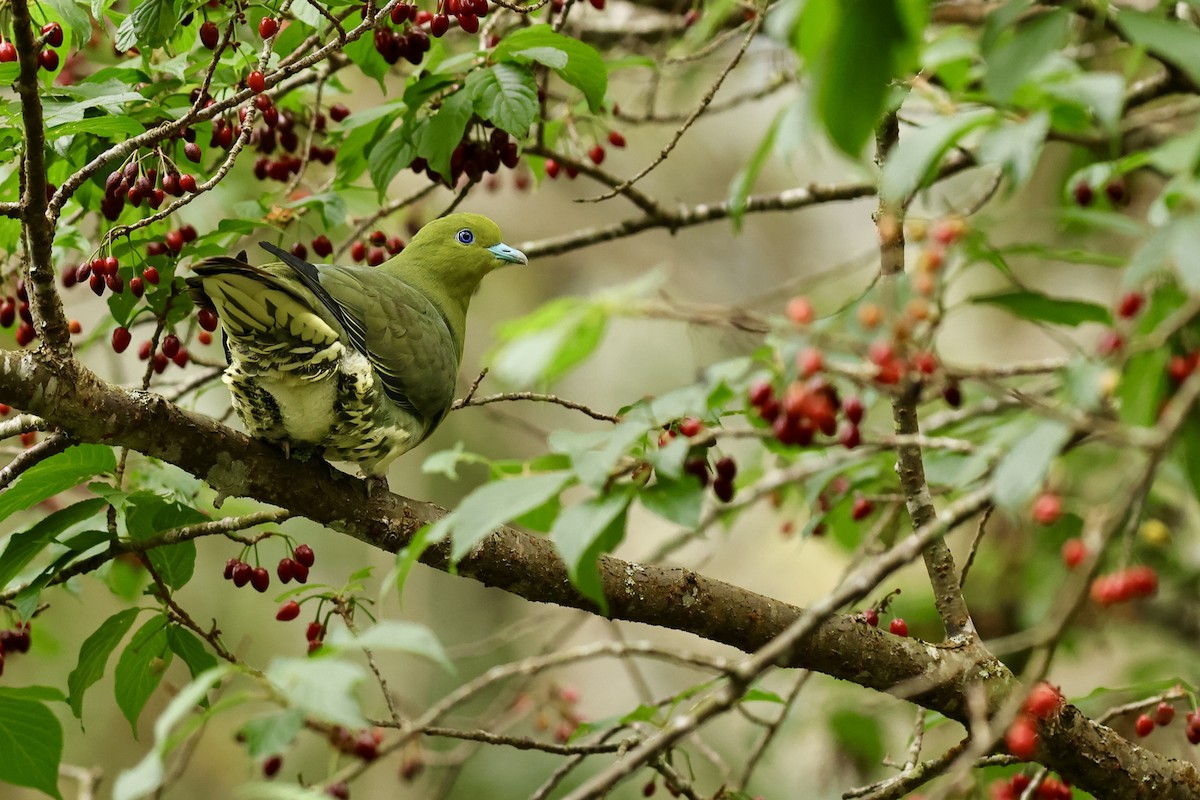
[465,236]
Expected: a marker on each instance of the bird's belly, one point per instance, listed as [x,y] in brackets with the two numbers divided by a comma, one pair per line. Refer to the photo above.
[306,409]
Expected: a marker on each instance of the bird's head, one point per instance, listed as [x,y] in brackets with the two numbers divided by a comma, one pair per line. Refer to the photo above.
[459,250]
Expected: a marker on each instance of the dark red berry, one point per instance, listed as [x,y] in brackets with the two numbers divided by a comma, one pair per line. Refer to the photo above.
[53,33]
[358,251]
[175,241]
[267,28]
[861,509]
[271,765]
[208,319]
[313,631]
[187,183]
[257,82]
[8,52]
[1144,725]
[260,578]
[121,337]
[170,345]
[871,616]
[192,151]
[288,611]
[1130,304]
[48,59]
[439,25]
[1164,712]
[616,139]
[322,246]
[242,573]
[210,35]
[299,572]
[1084,193]
[25,334]
[304,555]
[596,154]
[150,274]
[338,112]
[229,565]
[284,570]
[898,626]
[853,408]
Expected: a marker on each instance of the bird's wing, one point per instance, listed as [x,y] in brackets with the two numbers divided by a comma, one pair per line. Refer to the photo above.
[401,333]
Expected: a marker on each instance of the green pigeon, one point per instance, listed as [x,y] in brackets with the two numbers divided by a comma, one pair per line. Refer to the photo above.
[357,363]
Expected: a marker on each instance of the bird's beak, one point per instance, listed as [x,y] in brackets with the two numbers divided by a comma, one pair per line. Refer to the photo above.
[506,253]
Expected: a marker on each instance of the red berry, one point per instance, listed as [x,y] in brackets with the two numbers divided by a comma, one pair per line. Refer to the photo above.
[304,555]
[1073,552]
[210,35]
[74,327]
[1130,304]
[192,151]
[271,765]
[8,52]
[925,363]
[284,570]
[299,250]
[1115,191]
[810,362]
[952,394]
[299,572]
[1110,343]
[616,139]
[260,578]
[175,240]
[229,565]
[53,33]
[1178,368]
[861,509]
[25,334]
[170,345]
[871,616]
[208,319]
[1144,725]
[853,408]
[144,350]
[899,627]
[551,168]
[439,25]
[313,631]
[800,310]
[115,282]
[241,574]
[288,611]
[1192,731]
[48,59]
[1047,508]
[596,154]
[268,27]
[1043,701]
[690,426]
[204,337]
[322,246]
[188,183]
[358,251]
[188,232]
[257,82]
[1164,712]
[338,112]
[121,337]
[376,256]
[400,13]
[150,274]
[850,437]
[1022,737]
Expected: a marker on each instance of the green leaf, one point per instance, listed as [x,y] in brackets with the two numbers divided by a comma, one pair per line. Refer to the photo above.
[94,653]
[1188,451]
[679,501]
[493,504]
[392,154]
[31,741]
[188,646]
[363,53]
[1143,386]
[106,127]
[148,514]
[1038,307]
[595,454]
[1174,42]
[582,532]
[505,94]
[271,734]
[154,22]
[320,687]
[56,474]
[21,548]
[862,46]
[547,344]
[919,152]
[1022,470]
[1016,147]
[437,138]
[575,62]
[140,668]
[1009,64]
[859,735]
[147,775]
[743,182]
[405,637]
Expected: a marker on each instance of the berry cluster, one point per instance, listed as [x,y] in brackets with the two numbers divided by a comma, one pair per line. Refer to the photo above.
[474,157]
[1124,585]
[1043,702]
[410,39]
[1114,190]
[52,34]
[14,306]
[297,566]
[290,568]
[133,185]
[562,704]
[170,351]
[14,640]
[1180,367]
[362,744]
[242,573]
[279,133]
[374,250]
[807,408]
[1162,715]
[596,154]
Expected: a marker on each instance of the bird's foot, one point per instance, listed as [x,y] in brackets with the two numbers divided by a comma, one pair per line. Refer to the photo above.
[376,484]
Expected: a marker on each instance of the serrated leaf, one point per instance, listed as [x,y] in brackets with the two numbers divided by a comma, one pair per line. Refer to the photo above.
[575,62]
[188,646]
[436,139]
[1174,42]
[505,94]
[21,548]
[397,635]
[94,654]
[147,775]
[493,504]
[140,668]
[153,22]
[1038,307]
[919,152]
[31,740]
[364,55]
[392,154]
[1022,470]
[148,514]
[56,474]
[582,533]
[273,733]
[320,687]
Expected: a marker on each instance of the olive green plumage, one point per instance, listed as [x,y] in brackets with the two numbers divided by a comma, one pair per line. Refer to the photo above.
[359,363]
